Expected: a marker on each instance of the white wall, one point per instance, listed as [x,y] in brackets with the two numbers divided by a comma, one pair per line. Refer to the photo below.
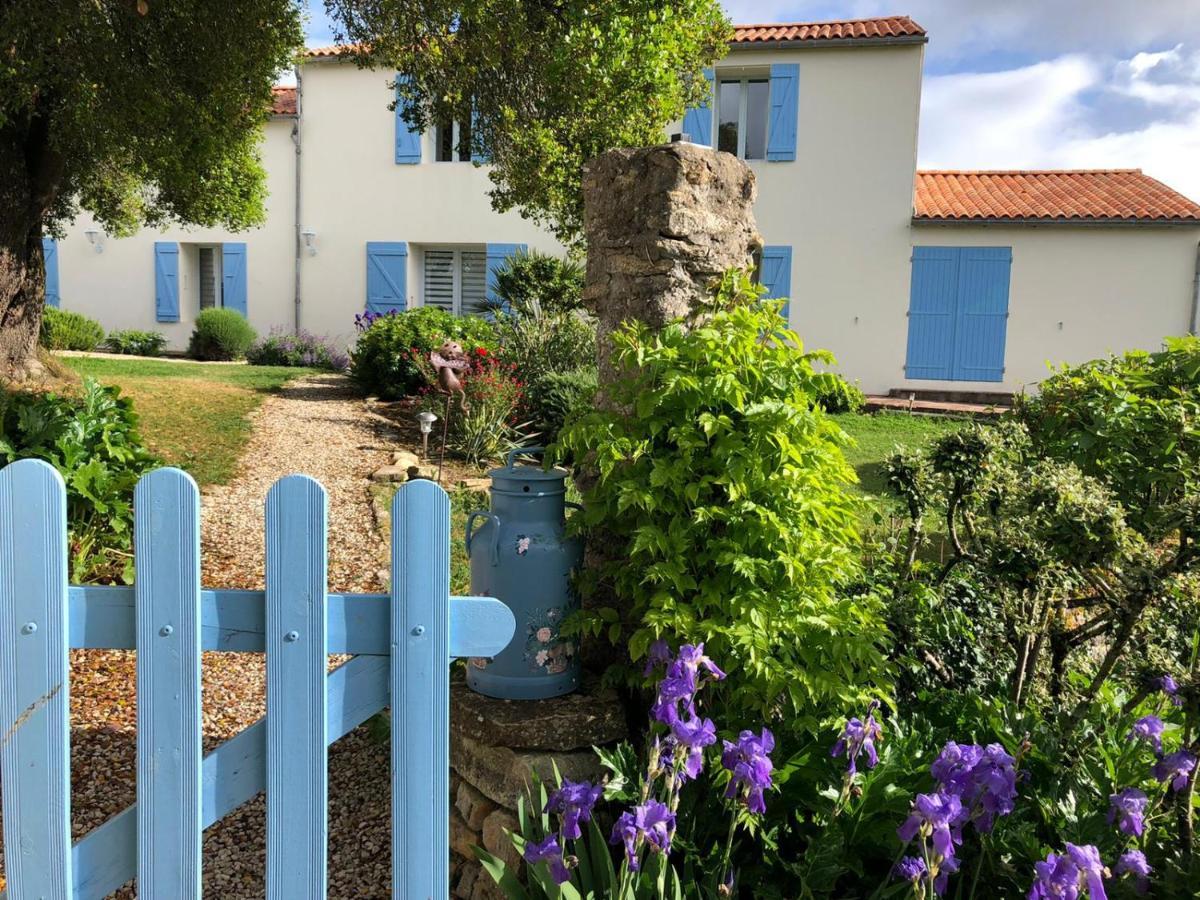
[116,286]
[1076,293]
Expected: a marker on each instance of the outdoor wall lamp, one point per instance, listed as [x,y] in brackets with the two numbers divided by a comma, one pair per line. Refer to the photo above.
[95,238]
[425,420]
[310,240]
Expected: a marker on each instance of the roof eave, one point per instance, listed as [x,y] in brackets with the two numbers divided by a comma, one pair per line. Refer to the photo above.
[900,40]
[960,221]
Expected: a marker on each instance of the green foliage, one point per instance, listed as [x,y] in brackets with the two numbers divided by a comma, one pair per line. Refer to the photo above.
[283,348]
[132,342]
[556,397]
[391,358]
[142,113]
[836,395]
[65,330]
[220,334]
[93,441]
[546,89]
[540,283]
[486,426]
[722,496]
[1131,421]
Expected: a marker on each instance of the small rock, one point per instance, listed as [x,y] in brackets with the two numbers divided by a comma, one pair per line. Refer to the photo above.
[390,473]
[501,774]
[475,484]
[496,838]
[462,838]
[405,459]
[429,473]
[472,805]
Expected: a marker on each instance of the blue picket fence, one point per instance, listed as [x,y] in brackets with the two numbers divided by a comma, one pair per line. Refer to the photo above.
[401,645]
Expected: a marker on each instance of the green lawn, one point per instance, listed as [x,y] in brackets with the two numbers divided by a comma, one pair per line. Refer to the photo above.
[193,415]
[879,435]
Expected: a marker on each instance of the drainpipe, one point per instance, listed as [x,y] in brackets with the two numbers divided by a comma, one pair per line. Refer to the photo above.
[298,238]
[1196,295]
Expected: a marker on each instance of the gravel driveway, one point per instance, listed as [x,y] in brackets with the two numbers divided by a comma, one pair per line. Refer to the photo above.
[317,426]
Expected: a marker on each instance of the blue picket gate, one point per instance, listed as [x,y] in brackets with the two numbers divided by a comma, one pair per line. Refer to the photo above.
[401,645]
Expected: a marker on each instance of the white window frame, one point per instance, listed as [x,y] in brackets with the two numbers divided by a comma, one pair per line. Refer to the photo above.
[742,79]
[218,276]
[456,269]
[455,138]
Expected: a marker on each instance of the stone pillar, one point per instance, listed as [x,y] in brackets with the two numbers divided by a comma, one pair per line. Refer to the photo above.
[661,223]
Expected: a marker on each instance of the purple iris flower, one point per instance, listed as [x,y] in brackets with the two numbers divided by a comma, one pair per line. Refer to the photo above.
[695,734]
[941,816]
[1149,728]
[659,654]
[1133,862]
[652,822]
[574,802]
[1127,807]
[911,868]
[680,683]
[984,778]
[857,737]
[1056,878]
[548,851]
[1168,686]
[1175,767]
[749,761]
[1087,860]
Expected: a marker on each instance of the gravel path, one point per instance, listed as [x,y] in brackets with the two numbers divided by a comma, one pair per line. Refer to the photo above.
[317,426]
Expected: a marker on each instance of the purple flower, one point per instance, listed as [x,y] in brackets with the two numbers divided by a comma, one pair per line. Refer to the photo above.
[695,734]
[659,654]
[1127,807]
[939,816]
[984,778]
[548,851]
[859,736]
[1149,728]
[574,802]
[911,868]
[1167,685]
[1087,860]
[1057,878]
[652,822]
[953,769]
[1176,767]
[749,761]
[681,682]
[1133,862]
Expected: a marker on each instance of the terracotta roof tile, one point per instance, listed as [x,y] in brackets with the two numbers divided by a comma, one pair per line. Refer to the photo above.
[844,30]
[888,27]
[1051,196]
[283,101]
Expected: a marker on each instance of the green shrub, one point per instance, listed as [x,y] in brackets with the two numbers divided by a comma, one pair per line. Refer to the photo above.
[64,330]
[534,280]
[556,397]
[282,348]
[722,499]
[135,343]
[220,334]
[836,395]
[391,358]
[94,443]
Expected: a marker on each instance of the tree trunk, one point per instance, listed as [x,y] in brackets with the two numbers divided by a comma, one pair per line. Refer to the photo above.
[22,294]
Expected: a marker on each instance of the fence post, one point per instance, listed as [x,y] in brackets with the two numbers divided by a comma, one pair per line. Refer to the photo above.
[34,671]
[167,553]
[420,692]
[297,774]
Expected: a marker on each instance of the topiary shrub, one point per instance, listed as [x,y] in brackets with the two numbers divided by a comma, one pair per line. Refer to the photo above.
[135,343]
[64,330]
[220,334]
[390,359]
[282,348]
[835,394]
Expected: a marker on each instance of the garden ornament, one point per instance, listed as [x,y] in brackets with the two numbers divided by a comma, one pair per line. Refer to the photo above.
[447,360]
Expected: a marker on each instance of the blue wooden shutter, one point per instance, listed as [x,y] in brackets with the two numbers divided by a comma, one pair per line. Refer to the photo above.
[387,276]
[166,281]
[776,274]
[50,256]
[496,255]
[408,141]
[932,309]
[698,120]
[785,107]
[233,277]
[982,319]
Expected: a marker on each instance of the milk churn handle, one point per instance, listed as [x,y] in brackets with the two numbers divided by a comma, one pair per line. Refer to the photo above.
[571,504]
[495,548]
[511,460]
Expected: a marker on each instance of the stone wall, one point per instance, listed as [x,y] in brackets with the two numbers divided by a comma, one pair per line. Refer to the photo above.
[495,747]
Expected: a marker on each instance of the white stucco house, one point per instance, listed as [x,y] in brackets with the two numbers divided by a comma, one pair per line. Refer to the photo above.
[963,281]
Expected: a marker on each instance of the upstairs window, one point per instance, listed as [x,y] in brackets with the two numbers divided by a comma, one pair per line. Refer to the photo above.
[452,141]
[455,279]
[742,106]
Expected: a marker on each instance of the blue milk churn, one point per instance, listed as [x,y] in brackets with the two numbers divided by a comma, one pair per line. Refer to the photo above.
[521,556]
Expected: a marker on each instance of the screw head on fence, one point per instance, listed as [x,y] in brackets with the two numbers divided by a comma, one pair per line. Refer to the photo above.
[292,636]
[166,631]
[29,628]
[418,631]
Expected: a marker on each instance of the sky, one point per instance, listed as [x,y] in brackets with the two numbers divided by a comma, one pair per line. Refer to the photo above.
[1036,83]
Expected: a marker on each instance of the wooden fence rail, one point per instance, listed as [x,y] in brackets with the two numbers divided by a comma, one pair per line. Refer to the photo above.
[401,643]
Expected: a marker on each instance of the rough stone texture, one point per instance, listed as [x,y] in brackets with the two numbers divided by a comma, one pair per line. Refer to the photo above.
[405,458]
[662,222]
[386,474]
[593,716]
[496,840]
[472,805]
[501,773]
[462,837]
